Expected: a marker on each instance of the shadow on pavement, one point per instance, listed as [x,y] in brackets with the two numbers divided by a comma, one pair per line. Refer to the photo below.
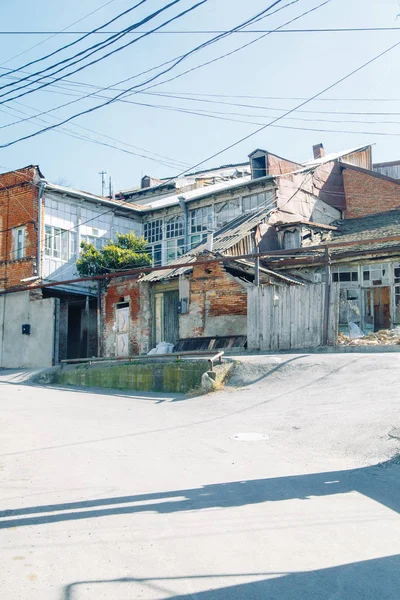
[376,579]
[379,482]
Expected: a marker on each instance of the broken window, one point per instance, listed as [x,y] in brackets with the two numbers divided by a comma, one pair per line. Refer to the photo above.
[153,231]
[349,306]
[201,219]
[376,274]
[227,211]
[174,227]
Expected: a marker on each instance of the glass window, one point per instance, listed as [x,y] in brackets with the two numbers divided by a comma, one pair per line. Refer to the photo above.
[153,231]
[201,219]
[195,240]
[227,211]
[255,201]
[397,273]
[345,274]
[376,274]
[59,243]
[97,242]
[175,249]
[174,227]
[20,243]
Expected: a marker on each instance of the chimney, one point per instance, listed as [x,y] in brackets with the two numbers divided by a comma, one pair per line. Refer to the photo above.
[318,151]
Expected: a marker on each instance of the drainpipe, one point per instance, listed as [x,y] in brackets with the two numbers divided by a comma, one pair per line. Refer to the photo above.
[42,186]
[183,205]
[327,296]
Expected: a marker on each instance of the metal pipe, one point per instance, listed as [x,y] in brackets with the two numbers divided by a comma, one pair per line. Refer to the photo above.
[222,259]
[185,209]
[177,355]
[41,188]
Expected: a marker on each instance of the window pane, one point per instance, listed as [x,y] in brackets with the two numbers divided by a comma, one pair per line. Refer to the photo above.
[48,240]
[64,245]
[157,255]
[153,231]
[56,243]
[72,244]
[174,227]
[20,244]
[397,304]
[201,219]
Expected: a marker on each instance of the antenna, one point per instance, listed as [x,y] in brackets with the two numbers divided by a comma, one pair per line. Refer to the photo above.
[103,181]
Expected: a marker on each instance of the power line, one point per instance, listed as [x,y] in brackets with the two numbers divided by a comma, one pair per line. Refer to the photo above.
[54,33]
[95,48]
[121,94]
[209,31]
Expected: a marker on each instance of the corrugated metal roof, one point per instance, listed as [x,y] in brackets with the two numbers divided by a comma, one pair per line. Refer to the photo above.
[224,238]
[333,156]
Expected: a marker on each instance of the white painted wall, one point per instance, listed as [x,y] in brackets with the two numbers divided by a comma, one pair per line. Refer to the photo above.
[83,217]
[26,351]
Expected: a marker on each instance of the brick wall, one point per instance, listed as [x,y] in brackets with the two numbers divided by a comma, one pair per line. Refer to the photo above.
[124,289]
[218,304]
[18,207]
[368,194]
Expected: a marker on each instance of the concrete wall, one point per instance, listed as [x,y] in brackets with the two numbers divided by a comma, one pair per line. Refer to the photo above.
[154,376]
[26,351]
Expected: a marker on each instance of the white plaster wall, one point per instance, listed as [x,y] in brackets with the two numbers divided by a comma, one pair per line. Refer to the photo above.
[26,351]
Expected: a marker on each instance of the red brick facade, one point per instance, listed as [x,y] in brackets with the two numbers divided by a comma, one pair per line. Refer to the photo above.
[18,208]
[369,194]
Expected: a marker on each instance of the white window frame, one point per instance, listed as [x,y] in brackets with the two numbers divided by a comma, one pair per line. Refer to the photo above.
[153,231]
[201,219]
[18,243]
[60,244]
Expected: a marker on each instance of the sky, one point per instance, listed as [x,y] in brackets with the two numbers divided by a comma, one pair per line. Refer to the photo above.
[173,126]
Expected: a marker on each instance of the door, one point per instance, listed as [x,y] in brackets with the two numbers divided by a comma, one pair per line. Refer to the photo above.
[171,317]
[122,329]
[381,308]
[376,309]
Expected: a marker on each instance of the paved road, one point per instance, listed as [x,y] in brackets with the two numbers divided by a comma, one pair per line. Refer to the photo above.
[283,488]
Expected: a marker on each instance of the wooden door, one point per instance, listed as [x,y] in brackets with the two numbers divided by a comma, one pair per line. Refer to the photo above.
[381,308]
[171,317]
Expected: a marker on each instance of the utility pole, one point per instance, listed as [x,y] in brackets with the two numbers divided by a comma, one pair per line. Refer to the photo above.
[110,188]
[103,181]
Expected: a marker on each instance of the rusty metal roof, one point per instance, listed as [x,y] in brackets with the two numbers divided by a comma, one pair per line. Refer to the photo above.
[226,237]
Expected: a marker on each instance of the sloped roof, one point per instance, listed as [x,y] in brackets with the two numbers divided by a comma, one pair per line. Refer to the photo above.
[334,156]
[224,238]
[377,226]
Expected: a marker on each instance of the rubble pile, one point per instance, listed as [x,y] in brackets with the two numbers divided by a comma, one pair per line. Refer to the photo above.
[384,337]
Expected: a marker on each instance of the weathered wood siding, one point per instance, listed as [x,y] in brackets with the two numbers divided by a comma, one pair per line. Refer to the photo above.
[285,318]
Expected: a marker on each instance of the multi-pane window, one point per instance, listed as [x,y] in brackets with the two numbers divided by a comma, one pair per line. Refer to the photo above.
[255,201]
[201,219]
[97,242]
[376,275]
[175,249]
[345,275]
[174,227]
[18,243]
[60,243]
[153,231]
[155,252]
[227,211]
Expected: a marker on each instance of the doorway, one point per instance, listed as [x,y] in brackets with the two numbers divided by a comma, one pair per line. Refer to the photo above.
[166,316]
[377,308]
[122,329]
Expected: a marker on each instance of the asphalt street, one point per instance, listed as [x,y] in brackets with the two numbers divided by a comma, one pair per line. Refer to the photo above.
[285,485]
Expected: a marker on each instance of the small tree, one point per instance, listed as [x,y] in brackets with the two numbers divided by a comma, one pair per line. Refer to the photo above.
[129,251]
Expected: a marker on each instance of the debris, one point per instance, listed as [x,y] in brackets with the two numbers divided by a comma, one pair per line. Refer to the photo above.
[384,337]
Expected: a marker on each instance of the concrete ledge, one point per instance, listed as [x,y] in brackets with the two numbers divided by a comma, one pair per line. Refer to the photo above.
[319,350]
[158,376]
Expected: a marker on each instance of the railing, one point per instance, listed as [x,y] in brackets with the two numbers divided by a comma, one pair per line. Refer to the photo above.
[178,356]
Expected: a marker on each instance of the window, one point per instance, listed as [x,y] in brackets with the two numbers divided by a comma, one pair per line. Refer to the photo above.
[156,254]
[174,227]
[226,211]
[345,274]
[18,242]
[258,165]
[59,243]
[97,242]
[175,249]
[349,306]
[397,304]
[254,201]
[201,219]
[195,240]
[291,239]
[376,275]
[153,231]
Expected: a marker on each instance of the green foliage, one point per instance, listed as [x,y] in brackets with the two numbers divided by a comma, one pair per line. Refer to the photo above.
[128,252]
